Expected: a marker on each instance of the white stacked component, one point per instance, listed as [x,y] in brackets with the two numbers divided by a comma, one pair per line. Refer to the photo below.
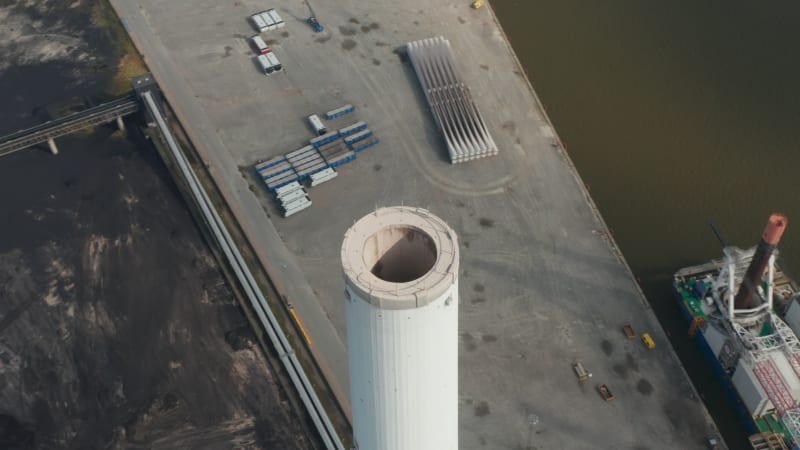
[293,198]
[290,197]
[323,176]
[401,283]
[455,112]
[283,190]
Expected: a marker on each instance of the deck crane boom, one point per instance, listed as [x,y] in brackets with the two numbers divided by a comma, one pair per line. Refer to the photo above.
[312,19]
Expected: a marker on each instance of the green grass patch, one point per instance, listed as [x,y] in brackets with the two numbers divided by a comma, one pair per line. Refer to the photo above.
[129,61]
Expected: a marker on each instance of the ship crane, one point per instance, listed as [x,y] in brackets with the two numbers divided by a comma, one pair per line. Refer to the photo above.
[756,353]
[764,340]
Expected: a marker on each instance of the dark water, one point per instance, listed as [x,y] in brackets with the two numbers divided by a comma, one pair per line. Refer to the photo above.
[675,113]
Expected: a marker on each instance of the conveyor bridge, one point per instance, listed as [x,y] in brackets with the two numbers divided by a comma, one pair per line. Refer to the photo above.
[48,131]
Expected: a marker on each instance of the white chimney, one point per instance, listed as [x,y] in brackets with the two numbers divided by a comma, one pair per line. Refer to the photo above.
[401,277]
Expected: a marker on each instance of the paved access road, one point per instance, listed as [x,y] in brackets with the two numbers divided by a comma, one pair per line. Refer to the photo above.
[327,346]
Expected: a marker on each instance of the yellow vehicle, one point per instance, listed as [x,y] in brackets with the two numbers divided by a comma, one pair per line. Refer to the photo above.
[477,4]
[648,340]
[580,372]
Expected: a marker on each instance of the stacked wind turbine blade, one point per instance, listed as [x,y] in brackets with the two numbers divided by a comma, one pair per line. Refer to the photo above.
[455,112]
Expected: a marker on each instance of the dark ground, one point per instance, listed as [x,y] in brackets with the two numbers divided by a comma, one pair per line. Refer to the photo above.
[116,326]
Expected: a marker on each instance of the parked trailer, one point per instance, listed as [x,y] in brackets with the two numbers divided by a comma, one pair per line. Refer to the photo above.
[331,144]
[335,148]
[300,165]
[276,167]
[317,125]
[334,154]
[365,145]
[294,153]
[306,172]
[266,66]
[276,65]
[275,170]
[258,23]
[311,151]
[355,137]
[305,155]
[302,169]
[354,128]
[275,185]
[343,158]
[332,148]
[340,111]
[280,181]
[280,172]
[269,163]
[305,162]
[276,18]
[324,139]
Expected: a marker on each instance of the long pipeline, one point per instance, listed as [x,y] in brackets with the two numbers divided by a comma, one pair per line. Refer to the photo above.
[270,324]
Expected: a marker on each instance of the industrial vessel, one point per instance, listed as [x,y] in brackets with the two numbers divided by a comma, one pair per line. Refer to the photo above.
[743,313]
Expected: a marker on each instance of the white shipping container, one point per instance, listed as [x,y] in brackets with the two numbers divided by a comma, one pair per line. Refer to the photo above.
[265,64]
[274,61]
[276,18]
[267,18]
[317,124]
[259,23]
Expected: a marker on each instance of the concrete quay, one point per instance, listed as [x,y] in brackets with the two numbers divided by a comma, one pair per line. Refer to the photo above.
[542,285]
